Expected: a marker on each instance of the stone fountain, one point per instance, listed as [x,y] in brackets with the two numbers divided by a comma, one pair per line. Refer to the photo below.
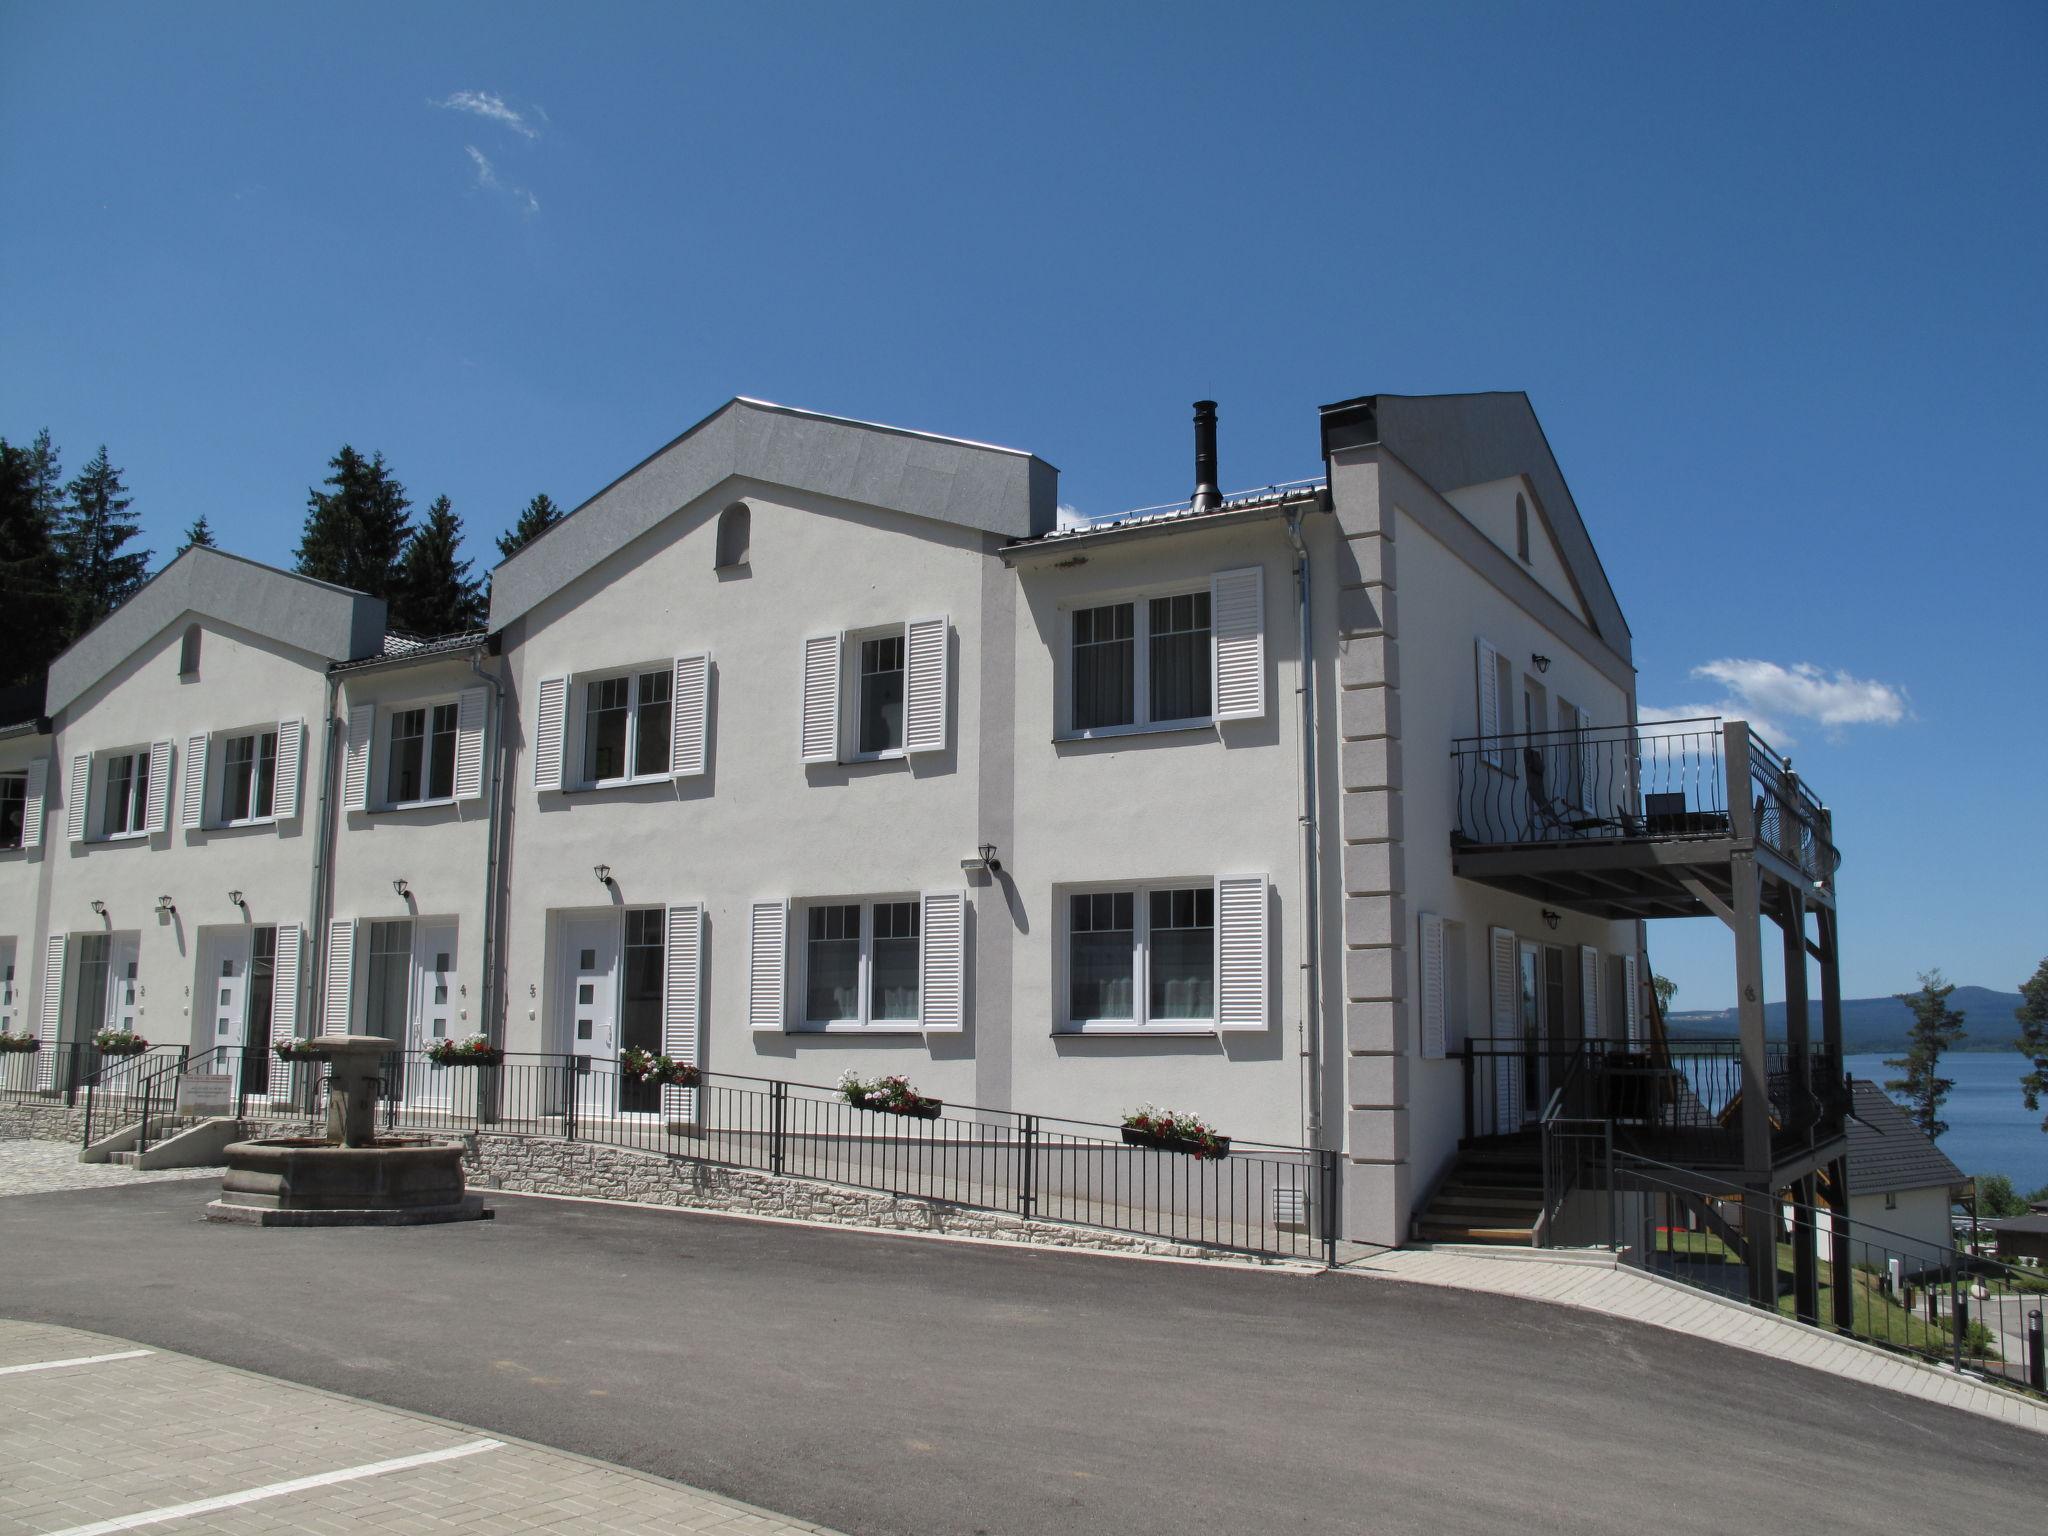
[351,1176]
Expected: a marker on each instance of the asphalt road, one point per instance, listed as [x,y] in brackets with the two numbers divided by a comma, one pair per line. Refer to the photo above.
[882,1384]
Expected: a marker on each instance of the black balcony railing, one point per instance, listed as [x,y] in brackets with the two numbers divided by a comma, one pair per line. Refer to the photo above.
[1660,782]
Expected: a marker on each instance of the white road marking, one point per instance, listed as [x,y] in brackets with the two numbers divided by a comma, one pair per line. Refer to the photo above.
[58,1365]
[277,1490]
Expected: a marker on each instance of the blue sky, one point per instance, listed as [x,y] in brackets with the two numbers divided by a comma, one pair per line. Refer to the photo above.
[1773,276]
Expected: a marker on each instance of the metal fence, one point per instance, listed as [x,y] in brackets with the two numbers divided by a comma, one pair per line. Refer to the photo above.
[1595,783]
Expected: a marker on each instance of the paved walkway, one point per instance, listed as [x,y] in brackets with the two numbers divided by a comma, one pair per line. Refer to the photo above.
[38,1167]
[1601,1287]
[98,1435]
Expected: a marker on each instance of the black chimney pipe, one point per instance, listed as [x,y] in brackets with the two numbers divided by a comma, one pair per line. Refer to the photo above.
[1207,498]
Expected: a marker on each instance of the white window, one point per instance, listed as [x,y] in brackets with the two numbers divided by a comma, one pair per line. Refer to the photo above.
[124,803]
[248,777]
[878,698]
[626,726]
[13,808]
[1141,663]
[875,693]
[1143,957]
[861,964]
[419,757]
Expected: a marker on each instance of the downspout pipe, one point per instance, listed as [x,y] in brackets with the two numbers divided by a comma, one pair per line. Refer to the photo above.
[1311,924]
[493,1026]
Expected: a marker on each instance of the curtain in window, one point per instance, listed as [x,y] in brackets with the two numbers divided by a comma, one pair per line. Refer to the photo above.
[1105,654]
[604,729]
[832,970]
[1101,957]
[881,694]
[1179,637]
[1181,950]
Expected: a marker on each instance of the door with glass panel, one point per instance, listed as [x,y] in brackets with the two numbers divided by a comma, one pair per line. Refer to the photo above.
[387,992]
[110,998]
[16,1067]
[433,1012]
[1530,1008]
[225,1017]
[589,948]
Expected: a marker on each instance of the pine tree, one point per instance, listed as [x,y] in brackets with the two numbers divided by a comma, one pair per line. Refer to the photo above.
[2033,1041]
[1936,1027]
[100,573]
[355,532]
[540,515]
[33,617]
[432,593]
[198,536]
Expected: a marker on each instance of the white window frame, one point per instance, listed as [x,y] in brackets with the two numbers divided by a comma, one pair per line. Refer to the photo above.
[849,693]
[579,707]
[217,775]
[21,840]
[1140,1022]
[386,740]
[138,799]
[864,1023]
[1141,660]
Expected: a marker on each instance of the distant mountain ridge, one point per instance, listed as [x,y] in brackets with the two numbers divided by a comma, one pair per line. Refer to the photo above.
[1873,1024]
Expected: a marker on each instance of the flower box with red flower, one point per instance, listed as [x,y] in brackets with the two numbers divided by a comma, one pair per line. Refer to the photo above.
[1166,1130]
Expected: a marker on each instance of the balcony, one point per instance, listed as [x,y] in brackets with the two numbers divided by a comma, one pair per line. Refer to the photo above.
[1636,821]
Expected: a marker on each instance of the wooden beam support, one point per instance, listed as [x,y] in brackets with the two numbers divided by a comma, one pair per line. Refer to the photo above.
[1708,899]
[1759,1196]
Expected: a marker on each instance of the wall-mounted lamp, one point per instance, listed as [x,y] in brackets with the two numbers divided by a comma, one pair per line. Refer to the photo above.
[603,873]
[1542,663]
[1550,919]
[984,861]
[401,887]
[99,909]
[165,907]
[235,899]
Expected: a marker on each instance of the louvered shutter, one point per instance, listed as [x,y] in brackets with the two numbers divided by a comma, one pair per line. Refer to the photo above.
[1502,950]
[689,716]
[1237,643]
[767,964]
[156,808]
[1431,959]
[1589,777]
[341,976]
[1589,990]
[291,757]
[81,787]
[192,804]
[355,758]
[1488,663]
[682,1002]
[1632,1002]
[50,1022]
[924,686]
[942,961]
[1241,952]
[820,738]
[549,731]
[470,705]
[32,811]
[284,1005]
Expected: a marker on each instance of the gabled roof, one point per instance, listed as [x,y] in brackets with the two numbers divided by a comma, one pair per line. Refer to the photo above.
[1887,1151]
[974,485]
[313,616]
[1453,441]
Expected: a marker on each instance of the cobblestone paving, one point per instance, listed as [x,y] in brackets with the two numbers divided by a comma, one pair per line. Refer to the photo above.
[117,1439]
[38,1167]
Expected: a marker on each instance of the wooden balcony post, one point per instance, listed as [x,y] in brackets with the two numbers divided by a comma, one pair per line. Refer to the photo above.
[1735,762]
[1760,1217]
[1798,1025]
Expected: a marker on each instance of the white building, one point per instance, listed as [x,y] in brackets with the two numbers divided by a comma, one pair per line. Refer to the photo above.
[811,744]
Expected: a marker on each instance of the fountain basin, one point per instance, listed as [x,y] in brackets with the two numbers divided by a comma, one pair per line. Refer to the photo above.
[307,1181]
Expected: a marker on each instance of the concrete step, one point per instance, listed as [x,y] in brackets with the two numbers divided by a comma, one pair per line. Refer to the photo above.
[1430,1231]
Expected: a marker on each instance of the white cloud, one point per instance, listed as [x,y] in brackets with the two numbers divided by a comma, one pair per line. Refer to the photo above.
[491,106]
[1776,699]
[487,178]
[1069,516]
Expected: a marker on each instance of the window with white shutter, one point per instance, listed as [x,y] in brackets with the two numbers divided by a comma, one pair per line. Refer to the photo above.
[682,1003]
[690,716]
[291,758]
[1588,777]
[1237,610]
[942,961]
[1589,991]
[157,816]
[35,803]
[77,796]
[1241,952]
[1504,975]
[340,978]
[192,803]
[819,736]
[471,706]
[550,728]
[1430,962]
[1632,999]
[1488,670]
[50,1019]
[924,688]
[355,758]
[767,965]
[284,983]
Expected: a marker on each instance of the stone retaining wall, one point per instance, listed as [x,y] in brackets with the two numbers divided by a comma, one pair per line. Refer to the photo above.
[42,1122]
[535,1166]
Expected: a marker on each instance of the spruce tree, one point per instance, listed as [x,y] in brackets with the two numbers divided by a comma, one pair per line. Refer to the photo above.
[540,515]
[100,572]
[33,617]
[356,529]
[432,593]
[1936,1027]
[198,536]
[2033,1041]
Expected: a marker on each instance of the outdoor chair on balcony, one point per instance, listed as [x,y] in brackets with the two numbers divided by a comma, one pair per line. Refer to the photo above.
[1551,813]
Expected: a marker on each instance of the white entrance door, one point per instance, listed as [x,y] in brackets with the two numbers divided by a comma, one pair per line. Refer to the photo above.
[590,1007]
[227,1015]
[122,1007]
[433,1011]
[17,1068]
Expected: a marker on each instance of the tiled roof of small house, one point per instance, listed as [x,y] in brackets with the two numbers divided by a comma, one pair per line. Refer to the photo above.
[1887,1151]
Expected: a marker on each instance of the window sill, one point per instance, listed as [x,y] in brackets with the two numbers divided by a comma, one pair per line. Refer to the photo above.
[415,805]
[1181,1030]
[890,756]
[888,1027]
[119,837]
[638,781]
[237,826]
[1111,732]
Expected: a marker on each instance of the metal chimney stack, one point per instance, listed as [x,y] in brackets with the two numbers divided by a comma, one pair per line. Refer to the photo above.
[1207,498]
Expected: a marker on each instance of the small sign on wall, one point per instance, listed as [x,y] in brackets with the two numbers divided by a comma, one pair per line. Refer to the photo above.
[206,1093]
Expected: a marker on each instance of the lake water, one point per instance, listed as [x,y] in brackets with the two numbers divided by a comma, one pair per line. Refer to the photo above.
[1989,1129]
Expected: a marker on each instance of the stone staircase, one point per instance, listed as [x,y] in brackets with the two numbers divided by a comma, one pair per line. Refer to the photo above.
[183,1141]
[1492,1195]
